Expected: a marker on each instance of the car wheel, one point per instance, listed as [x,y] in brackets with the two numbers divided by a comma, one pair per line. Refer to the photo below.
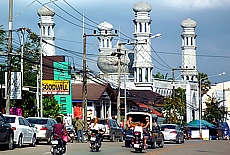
[161,145]
[112,138]
[178,141]
[183,140]
[20,141]
[33,143]
[154,145]
[11,142]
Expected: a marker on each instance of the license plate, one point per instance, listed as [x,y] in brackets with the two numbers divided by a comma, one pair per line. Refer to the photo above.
[136,145]
[93,138]
[54,142]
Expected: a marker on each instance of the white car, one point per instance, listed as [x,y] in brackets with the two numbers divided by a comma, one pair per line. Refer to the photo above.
[172,133]
[24,133]
[44,128]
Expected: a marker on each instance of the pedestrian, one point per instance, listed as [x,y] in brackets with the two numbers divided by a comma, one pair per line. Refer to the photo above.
[79,125]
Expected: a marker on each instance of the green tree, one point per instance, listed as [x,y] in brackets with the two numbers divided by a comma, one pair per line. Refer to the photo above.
[158,75]
[205,83]
[214,110]
[175,107]
[51,108]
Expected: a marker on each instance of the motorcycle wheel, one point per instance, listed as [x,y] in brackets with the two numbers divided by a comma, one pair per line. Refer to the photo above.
[54,151]
[138,150]
[93,147]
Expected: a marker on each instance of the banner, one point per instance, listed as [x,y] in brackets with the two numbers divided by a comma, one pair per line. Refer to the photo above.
[15,85]
[55,87]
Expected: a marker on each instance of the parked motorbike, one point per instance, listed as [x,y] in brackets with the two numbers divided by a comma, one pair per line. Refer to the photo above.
[95,141]
[71,134]
[58,145]
[137,142]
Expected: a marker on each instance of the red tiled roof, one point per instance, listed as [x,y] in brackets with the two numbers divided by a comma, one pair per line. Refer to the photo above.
[153,111]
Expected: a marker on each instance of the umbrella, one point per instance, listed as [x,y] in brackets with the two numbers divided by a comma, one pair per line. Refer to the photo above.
[204,124]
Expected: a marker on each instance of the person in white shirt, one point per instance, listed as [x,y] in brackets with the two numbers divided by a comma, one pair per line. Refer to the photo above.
[139,128]
[98,127]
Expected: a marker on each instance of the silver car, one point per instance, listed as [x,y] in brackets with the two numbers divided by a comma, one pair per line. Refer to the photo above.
[43,126]
[172,133]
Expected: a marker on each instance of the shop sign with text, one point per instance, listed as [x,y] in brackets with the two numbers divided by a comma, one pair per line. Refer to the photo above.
[55,87]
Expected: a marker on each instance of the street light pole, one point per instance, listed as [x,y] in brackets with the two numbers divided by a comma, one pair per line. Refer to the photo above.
[200,99]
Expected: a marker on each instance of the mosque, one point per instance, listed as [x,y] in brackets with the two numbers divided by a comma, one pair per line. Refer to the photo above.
[136,65]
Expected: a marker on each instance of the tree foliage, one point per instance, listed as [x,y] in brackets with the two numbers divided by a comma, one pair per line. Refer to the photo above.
[215,110]
[158,75]
[205,83]
[51,108]
[175,107]
[31,57]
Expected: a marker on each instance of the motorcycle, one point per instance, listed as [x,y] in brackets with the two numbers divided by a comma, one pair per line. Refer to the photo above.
[137,142]
[58,145]
[71,134]
[95,141]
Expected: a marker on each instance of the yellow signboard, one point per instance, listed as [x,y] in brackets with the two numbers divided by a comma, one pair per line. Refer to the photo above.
[55,87]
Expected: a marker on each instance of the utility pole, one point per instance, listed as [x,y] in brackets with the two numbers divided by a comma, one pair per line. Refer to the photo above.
[9,57]
[22,30]
[118,54]
[84,86]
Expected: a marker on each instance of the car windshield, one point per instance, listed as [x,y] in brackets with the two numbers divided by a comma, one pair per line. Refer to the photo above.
[163,127]
[10,119]
[37,121]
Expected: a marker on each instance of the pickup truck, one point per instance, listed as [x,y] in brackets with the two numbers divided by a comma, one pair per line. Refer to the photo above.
[156,137]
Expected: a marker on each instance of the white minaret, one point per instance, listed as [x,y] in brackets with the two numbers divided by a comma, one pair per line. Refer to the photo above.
[189,50]
[142,53]
[105,37]
[46,25]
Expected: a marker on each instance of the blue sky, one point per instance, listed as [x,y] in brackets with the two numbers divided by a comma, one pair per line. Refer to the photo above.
[212,17]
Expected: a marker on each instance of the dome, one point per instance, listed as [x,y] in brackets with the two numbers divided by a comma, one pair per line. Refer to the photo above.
[188,23]
[105,26]
[142,7]
[46,11]
[108,64]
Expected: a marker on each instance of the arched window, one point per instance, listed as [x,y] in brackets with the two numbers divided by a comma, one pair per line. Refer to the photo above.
[107,42]
[103,43]
[44,31]
[146,75]
[48,31]
[140,26]
[140,75]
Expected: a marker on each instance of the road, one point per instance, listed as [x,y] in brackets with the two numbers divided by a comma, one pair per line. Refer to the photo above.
[190,147]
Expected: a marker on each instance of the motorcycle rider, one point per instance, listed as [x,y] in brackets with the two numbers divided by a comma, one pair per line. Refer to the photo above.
[59,130]
[98,127]
[139,128]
